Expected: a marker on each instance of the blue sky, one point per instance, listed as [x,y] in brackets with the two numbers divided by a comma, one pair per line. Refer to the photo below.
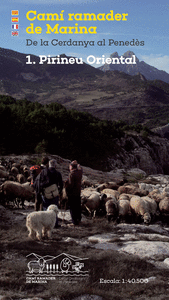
[147,21]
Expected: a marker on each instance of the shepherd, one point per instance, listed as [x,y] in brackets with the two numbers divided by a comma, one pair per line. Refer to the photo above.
[73,189]
[49,185]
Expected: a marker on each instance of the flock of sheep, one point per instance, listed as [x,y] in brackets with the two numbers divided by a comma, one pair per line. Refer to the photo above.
[127,203]
[16,183]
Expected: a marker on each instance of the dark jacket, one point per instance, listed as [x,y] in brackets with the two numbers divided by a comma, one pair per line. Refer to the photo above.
[47,177]
[73,184]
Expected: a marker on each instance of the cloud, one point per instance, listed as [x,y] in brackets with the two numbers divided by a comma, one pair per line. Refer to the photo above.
[157,60]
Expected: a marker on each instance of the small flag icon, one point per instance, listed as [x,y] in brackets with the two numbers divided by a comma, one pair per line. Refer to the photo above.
[15,26]
[15,33]
[15,12]
[15,20]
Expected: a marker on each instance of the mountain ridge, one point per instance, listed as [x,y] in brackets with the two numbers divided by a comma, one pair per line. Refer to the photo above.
[9,57]
[148,71]
[112,95]
[14,66]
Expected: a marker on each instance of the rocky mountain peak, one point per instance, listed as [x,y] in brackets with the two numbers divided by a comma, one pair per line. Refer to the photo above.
[149,72]
[114,54]
[129,54]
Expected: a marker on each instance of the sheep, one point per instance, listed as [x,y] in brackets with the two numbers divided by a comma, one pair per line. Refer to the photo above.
[111,192]
[146,186]
[164,209]
[14,171]
[29,179]
[125,197]
[154,194]
[11,178]
[4,174]
[164,195]
[41,223]
[20,178]
[16,165]
[112,208]
[152,205]
[124,209]
[164,205]
[88,191]
[25,170]
[15,190]
[107,185]
[92,203]
[101,187]
[2,168]
[131,189]
[86,182]
[26,173]
[140,208]
[112,185]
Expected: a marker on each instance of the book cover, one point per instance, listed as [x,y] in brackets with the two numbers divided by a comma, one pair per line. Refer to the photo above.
[48,49]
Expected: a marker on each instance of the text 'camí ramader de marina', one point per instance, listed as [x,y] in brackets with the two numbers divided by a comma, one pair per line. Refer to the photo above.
[32,15]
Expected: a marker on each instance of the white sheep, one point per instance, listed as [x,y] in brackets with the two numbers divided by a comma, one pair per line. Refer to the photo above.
[155,194]
[109,192]
[140,208]
[101,187]
[125,197]
[87,192]
[124,209]
[92,203]
[152,205]
[40,223]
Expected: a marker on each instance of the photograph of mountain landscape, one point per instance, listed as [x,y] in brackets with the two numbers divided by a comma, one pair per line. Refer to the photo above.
[87,80]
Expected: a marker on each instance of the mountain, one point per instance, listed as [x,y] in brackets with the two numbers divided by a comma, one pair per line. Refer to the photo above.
[149,72]
[111,95]
[14,67]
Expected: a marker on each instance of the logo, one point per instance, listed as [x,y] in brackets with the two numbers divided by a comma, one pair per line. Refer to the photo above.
[15,19]
[15,12]
[41,269]
[15,26]
[15,33]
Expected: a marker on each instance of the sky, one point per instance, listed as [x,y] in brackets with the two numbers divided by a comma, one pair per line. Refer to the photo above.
[145,29]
